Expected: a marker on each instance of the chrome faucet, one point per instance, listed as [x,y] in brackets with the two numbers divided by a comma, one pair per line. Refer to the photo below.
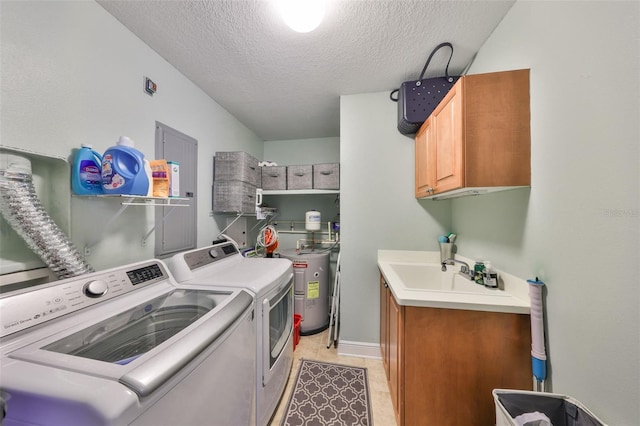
[465,271]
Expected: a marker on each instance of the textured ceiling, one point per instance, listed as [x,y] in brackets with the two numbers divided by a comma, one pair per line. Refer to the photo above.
[287,85]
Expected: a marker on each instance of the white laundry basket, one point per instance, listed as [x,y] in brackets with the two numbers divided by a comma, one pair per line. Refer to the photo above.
[562,410]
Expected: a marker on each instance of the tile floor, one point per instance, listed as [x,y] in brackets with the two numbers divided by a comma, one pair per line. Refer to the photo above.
[315,348]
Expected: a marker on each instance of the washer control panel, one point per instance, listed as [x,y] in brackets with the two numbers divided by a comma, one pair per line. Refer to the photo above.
[25,309]
[206,256]
[96,288]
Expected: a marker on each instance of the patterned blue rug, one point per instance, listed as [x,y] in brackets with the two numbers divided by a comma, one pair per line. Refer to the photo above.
[326,394]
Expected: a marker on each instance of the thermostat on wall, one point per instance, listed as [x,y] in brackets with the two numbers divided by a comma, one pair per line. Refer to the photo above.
[149,86]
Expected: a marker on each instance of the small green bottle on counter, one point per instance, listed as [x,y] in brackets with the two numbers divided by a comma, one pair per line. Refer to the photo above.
[478,269]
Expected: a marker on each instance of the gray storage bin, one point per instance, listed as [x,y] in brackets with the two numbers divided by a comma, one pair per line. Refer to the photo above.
[236,165]
[561,410]
[233,196]
[274,177]
[326,176]
[300,177]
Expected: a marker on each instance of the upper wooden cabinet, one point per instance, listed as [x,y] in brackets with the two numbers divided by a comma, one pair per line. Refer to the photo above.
[477,139]
[425,179]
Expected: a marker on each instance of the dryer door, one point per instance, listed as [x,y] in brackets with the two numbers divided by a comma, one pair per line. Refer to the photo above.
[277,330]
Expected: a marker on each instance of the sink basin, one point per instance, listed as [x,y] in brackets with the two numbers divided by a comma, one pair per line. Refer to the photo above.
[419,276]
[429,277]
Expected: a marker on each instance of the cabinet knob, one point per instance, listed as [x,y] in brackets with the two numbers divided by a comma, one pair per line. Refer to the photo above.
[386,285]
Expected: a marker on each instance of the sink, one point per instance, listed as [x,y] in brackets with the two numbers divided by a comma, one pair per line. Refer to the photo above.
[419,276]
[430,277]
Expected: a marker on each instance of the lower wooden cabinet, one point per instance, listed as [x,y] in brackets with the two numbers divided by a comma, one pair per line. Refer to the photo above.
[442,364]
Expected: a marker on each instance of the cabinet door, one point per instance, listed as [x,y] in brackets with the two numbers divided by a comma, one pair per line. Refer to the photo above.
[425,160]
[454,358]
[384,328]
[448,120]
[395,357]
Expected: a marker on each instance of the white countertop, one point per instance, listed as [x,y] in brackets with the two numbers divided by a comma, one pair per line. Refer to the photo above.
[512,297]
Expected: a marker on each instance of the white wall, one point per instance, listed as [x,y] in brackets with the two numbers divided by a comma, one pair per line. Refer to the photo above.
[578,227]
[72,74]
[378,209]
[303,151]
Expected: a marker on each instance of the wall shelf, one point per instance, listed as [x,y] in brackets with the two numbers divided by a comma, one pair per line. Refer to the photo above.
[300,191]
[142,200]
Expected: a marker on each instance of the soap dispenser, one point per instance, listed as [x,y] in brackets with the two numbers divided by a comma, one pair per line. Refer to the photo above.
[489,276]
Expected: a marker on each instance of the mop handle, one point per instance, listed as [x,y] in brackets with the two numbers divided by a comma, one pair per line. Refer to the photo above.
[538,355]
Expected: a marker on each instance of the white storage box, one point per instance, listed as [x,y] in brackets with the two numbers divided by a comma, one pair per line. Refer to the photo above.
[274,177]
[559,409]
[326,176]
[233,196]
[300,177]
[237,165]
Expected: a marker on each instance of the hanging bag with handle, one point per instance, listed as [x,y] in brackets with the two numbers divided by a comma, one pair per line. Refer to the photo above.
[417,99]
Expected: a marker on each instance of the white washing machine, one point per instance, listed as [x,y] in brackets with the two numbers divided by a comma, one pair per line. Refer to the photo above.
[127,346]
[271,282]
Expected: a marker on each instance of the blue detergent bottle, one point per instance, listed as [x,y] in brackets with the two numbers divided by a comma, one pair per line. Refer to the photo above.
[86,176]
[123,169]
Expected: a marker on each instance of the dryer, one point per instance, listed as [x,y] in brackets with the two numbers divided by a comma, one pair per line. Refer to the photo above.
[127,346]
[271,283]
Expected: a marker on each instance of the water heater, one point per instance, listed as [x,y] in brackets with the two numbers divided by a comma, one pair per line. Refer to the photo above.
[311,275]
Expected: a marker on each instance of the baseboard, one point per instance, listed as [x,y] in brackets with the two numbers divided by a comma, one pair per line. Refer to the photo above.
[359,349]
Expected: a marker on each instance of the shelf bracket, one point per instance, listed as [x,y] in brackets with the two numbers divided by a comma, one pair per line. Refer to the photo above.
[153,228]
[135,200]
[232,222]
[106,226]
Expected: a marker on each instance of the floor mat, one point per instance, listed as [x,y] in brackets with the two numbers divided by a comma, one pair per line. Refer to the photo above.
[326,394]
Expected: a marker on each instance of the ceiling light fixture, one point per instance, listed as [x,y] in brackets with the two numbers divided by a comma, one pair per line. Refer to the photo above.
[302,15]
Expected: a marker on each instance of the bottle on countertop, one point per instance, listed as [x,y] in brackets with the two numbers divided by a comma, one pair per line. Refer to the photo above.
[490,276]
[478,269]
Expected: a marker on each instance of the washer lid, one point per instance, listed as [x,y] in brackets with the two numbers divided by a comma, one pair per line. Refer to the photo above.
[134,332]
[255,274]
[145,345]
[222,265]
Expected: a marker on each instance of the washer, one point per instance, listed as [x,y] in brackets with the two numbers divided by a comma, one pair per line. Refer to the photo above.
[127,346]
[271,283]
